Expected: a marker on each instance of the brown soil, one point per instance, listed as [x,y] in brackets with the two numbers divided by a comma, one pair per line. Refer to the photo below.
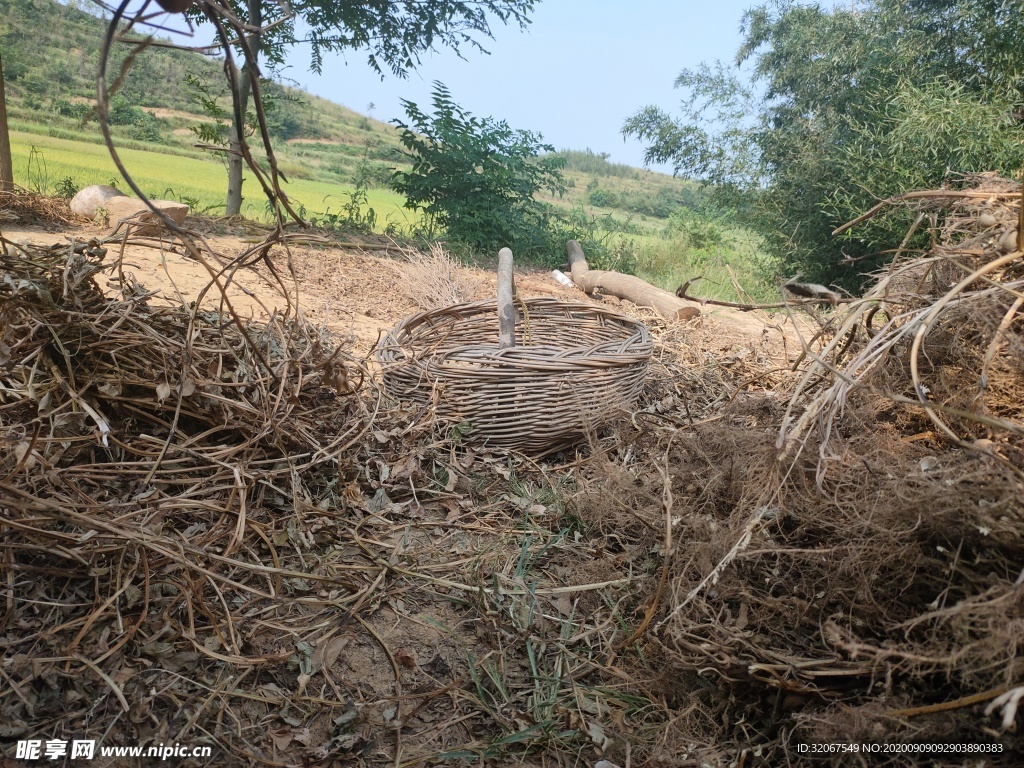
[357,292]
[334,142]
[172,113]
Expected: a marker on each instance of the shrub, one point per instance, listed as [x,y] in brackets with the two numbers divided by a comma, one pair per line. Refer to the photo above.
[369,173]
[71,109]
[355,214]
[697,231]
[145,127]
[66,188]
[603,198]
[605,241]
[477,177]
[121,112]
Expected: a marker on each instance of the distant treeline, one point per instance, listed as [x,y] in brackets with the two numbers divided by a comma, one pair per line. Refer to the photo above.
[596,163]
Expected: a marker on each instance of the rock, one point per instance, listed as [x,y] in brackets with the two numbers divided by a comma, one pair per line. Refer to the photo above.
[119,208]
[687,314]
[86,201]
[1008,242]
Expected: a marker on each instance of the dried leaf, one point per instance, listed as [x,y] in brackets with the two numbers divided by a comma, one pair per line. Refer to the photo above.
[21,453]
[563,604]
[184,660]
[282,738]
[379,501]
[405,659]
[12,731]
[453,478]
[110,388]
[327,653]
[347,717]
[596,733]
[157,648]
[405,468]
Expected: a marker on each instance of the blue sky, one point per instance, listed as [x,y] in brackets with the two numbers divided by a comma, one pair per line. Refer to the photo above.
[575,74]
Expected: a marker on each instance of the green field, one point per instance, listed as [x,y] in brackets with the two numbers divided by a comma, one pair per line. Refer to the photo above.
[663,257]
[42,162]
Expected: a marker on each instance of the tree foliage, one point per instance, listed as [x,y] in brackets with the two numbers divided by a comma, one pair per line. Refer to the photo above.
[477,177]
[829,110]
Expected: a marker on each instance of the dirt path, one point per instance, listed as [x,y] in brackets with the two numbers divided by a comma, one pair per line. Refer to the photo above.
[353,292]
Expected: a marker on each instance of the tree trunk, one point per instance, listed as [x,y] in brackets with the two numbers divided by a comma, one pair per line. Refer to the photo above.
[6,161]
[236,164]
[626,287]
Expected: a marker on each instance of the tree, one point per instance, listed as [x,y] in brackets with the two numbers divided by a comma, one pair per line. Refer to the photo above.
[6,161]
[477,177]
[839,107]
[393,33]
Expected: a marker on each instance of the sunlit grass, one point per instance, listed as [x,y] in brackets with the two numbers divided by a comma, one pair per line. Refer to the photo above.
[41,162]
[669,261]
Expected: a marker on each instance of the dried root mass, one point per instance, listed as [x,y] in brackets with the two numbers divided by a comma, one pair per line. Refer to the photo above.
[851,573]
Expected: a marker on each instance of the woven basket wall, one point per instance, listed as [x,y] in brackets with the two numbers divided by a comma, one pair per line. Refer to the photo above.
[573,365]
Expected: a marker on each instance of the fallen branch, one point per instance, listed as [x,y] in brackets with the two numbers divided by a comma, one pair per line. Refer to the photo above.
[626,287]
[946,706]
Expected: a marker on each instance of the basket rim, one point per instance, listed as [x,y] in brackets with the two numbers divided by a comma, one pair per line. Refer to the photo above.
[636,334]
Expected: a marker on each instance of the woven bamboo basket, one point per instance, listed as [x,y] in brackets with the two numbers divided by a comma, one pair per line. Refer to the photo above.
[572,366]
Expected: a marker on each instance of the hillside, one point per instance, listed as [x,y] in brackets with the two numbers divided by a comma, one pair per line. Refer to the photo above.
[51,53]
[654,223]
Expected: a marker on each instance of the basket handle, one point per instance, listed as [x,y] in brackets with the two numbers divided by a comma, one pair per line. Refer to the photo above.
[506,310]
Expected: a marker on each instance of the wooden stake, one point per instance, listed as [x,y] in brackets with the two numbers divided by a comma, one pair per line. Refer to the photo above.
[506,310]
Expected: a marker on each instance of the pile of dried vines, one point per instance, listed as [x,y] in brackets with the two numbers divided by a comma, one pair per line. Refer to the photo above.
[851,565]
